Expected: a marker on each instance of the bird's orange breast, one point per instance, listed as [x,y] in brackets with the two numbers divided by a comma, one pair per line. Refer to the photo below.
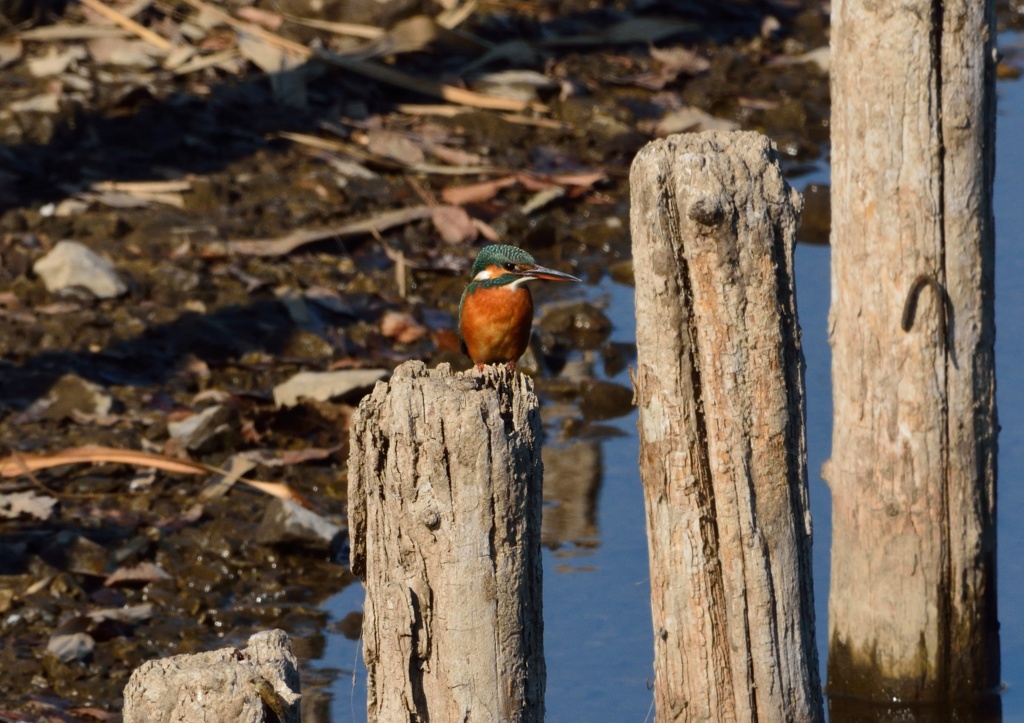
[496,322]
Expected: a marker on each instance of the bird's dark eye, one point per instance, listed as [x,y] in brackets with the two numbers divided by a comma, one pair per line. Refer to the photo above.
[509,267]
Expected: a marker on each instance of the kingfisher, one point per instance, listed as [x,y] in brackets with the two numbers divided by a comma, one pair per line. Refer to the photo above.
[496,310]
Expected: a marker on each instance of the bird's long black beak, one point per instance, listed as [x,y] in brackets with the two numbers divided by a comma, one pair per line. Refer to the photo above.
[541,272]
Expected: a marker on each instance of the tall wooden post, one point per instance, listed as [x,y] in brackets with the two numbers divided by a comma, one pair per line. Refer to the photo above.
[912,606]
[722,448]
[445,516]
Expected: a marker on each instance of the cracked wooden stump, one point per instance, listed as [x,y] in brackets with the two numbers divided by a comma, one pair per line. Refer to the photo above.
[257,684]
[912,609]
[445,515]
[720,388]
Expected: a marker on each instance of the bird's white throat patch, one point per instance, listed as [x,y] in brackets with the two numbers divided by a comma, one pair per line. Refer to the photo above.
[493,272]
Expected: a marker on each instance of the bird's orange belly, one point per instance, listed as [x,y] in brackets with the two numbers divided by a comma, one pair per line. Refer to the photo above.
[496,324]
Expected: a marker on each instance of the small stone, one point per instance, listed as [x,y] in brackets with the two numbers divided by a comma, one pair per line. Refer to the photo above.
[76,554]
[204,430]
[605,400]
[73,396]
[307,345]
[288,523]
[622,272]
[69,648]
[323,386]
[28,503]
[72,264]
[580,323]
[351,626]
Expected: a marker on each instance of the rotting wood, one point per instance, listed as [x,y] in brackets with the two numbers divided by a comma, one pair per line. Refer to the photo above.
[720,388]
[912,609]
[445,516]
[257,684]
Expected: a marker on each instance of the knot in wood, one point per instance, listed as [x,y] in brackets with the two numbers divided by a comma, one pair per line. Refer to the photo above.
[707,211]
[430,518]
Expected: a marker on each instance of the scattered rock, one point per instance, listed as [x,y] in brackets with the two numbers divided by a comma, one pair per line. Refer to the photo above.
[72,264]
[605,400]
[74,553]
[617,356]
[71,647]
[322,386]
[351,626]
[28,503]
[76,637]
[144,572]
[205,430]
[579,321]
[622,272]
[288,523]
[226,685]
[71,397]
[307,345]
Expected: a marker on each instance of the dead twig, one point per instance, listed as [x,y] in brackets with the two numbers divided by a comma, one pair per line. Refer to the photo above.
[127,23]
[371,70]
[23,464]
[287,244]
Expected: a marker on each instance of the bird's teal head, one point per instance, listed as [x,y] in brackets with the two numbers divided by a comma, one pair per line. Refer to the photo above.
[501,264]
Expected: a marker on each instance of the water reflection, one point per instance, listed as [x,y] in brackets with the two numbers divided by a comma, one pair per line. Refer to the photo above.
[986,709]
[572,480]
[597,623]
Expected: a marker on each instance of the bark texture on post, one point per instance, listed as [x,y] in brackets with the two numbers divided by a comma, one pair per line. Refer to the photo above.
[722,450]
[912,606]
[445,489]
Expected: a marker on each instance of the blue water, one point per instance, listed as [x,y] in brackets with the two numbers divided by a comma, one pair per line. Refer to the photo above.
[596,605]
[1009,208]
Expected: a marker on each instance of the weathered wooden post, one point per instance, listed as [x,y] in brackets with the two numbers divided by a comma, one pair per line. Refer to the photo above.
[445,515]
[912,606]
[722,451]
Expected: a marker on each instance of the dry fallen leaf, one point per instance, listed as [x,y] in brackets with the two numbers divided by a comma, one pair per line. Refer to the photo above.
[47,103]
[454,156]
[263,18]
[541,199]
[681,60]
[396,146]
[401,327]
[10,51]
[476,192]
[585,180]
[55,61]
[123,52]
[453,224]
